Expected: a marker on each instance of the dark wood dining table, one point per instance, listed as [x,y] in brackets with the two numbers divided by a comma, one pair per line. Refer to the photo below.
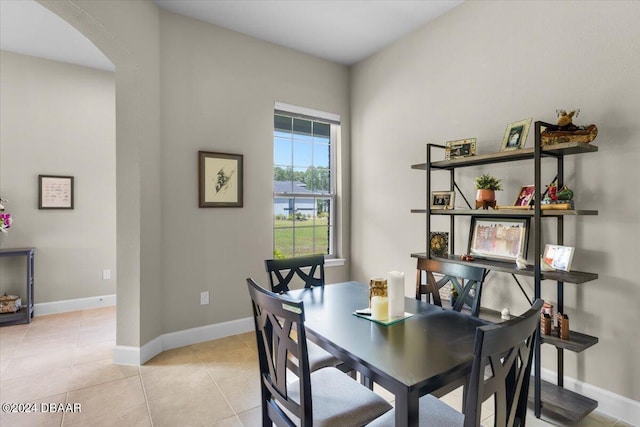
[410,358]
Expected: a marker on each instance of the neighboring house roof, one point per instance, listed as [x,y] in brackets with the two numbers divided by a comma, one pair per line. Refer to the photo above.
[286,187]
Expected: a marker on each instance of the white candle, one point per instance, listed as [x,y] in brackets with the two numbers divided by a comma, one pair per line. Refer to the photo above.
[395,290]
[379,308]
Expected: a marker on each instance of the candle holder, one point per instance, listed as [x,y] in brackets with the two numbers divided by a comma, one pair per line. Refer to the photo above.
[377,288]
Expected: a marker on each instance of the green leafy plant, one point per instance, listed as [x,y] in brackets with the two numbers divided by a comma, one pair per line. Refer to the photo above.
[488,182]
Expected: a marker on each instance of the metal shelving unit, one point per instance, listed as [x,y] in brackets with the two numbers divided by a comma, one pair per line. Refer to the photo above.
[25,314]
[551,397]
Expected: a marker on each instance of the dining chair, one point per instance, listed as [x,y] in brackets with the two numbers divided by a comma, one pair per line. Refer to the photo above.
[281,274]
[466,280]
[294,269]
[501,369]
[325,397]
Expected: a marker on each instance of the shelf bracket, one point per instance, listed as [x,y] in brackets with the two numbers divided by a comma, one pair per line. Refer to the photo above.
[462,194]
[522,289]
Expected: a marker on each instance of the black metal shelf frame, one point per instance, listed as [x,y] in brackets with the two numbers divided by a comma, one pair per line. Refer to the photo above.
[544,394]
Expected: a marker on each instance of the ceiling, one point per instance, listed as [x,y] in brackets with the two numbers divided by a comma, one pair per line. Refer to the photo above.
[342,31]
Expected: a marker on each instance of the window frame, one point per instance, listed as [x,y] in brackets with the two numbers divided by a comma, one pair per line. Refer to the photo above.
[333,120]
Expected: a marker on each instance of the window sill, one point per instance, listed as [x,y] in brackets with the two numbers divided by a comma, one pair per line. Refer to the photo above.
[334,262]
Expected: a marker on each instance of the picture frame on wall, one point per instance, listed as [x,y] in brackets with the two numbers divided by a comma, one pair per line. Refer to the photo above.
[500,239]
[55,192]
[515,136]
[460,148]
[442,200]
[220,180]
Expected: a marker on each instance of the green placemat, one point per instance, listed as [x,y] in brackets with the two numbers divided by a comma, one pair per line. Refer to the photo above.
[386,322]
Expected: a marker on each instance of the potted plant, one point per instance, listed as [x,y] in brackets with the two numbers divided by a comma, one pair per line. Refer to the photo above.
[487,186]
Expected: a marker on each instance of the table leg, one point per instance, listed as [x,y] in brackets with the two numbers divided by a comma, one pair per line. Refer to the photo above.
[407,409]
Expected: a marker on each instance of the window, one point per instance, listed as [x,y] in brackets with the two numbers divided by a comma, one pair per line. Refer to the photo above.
[304,144]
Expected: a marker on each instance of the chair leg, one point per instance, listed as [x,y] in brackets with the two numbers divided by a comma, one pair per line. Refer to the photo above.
[366,381]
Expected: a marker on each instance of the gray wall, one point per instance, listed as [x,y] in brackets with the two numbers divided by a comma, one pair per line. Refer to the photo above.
[169,250]
[469,74]
[218,92]
[58,119]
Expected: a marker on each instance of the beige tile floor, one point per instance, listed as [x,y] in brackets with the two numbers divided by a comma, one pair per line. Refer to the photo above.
[67,359]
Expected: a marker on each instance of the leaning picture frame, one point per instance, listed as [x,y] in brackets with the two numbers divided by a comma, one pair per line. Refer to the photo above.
[442,200]
[558,257]
[501,239]
[55,192]
[525,196]
[515,136]
[219,179]
[460,148]
[439,243]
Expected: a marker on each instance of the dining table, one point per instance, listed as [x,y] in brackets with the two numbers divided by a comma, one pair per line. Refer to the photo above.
[426,351]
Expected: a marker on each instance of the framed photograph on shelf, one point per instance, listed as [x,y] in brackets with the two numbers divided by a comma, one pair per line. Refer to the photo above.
[219,180]
[515,136]
[442,200]
[525,196]
[439,243]
[55,192]
[460,148]
[501,239]
[558,257]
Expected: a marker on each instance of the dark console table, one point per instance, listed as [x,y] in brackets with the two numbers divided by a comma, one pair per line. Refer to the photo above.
[25,313]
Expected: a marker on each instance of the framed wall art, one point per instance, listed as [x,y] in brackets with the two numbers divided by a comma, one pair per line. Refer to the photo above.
[55,192]
[219,180]
[515,136]
[460,148]
[442,199]
[501,239]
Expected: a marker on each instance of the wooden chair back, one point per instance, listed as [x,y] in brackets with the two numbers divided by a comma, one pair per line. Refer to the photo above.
[280,334]
[467,281]
[506,351]
[295,267]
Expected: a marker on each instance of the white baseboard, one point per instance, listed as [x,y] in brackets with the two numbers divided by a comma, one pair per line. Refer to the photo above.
[125,355]
[609,403]
[63,306]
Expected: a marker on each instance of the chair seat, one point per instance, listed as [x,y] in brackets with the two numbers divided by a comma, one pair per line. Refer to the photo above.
[339,401]
[320,358]
[433,413]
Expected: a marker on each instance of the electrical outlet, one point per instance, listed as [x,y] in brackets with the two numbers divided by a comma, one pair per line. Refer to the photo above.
[106,274]
[204,298]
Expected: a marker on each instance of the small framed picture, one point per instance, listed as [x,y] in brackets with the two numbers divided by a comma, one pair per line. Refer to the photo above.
[558,257]
[55,192]
[525,196]
[219,180]
[502,239]
[460,148]
[439,243]
[442,199]
[515,136]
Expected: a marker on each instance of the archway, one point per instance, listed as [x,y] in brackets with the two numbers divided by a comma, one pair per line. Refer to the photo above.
[127,34]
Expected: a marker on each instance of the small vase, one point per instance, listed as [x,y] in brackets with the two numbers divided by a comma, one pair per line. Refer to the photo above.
[486,196]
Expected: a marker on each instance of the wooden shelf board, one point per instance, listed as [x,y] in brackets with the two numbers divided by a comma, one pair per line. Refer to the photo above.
[20,316]
[577,341]
[510,156]
[576,277]
[563,402]
[508,212]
